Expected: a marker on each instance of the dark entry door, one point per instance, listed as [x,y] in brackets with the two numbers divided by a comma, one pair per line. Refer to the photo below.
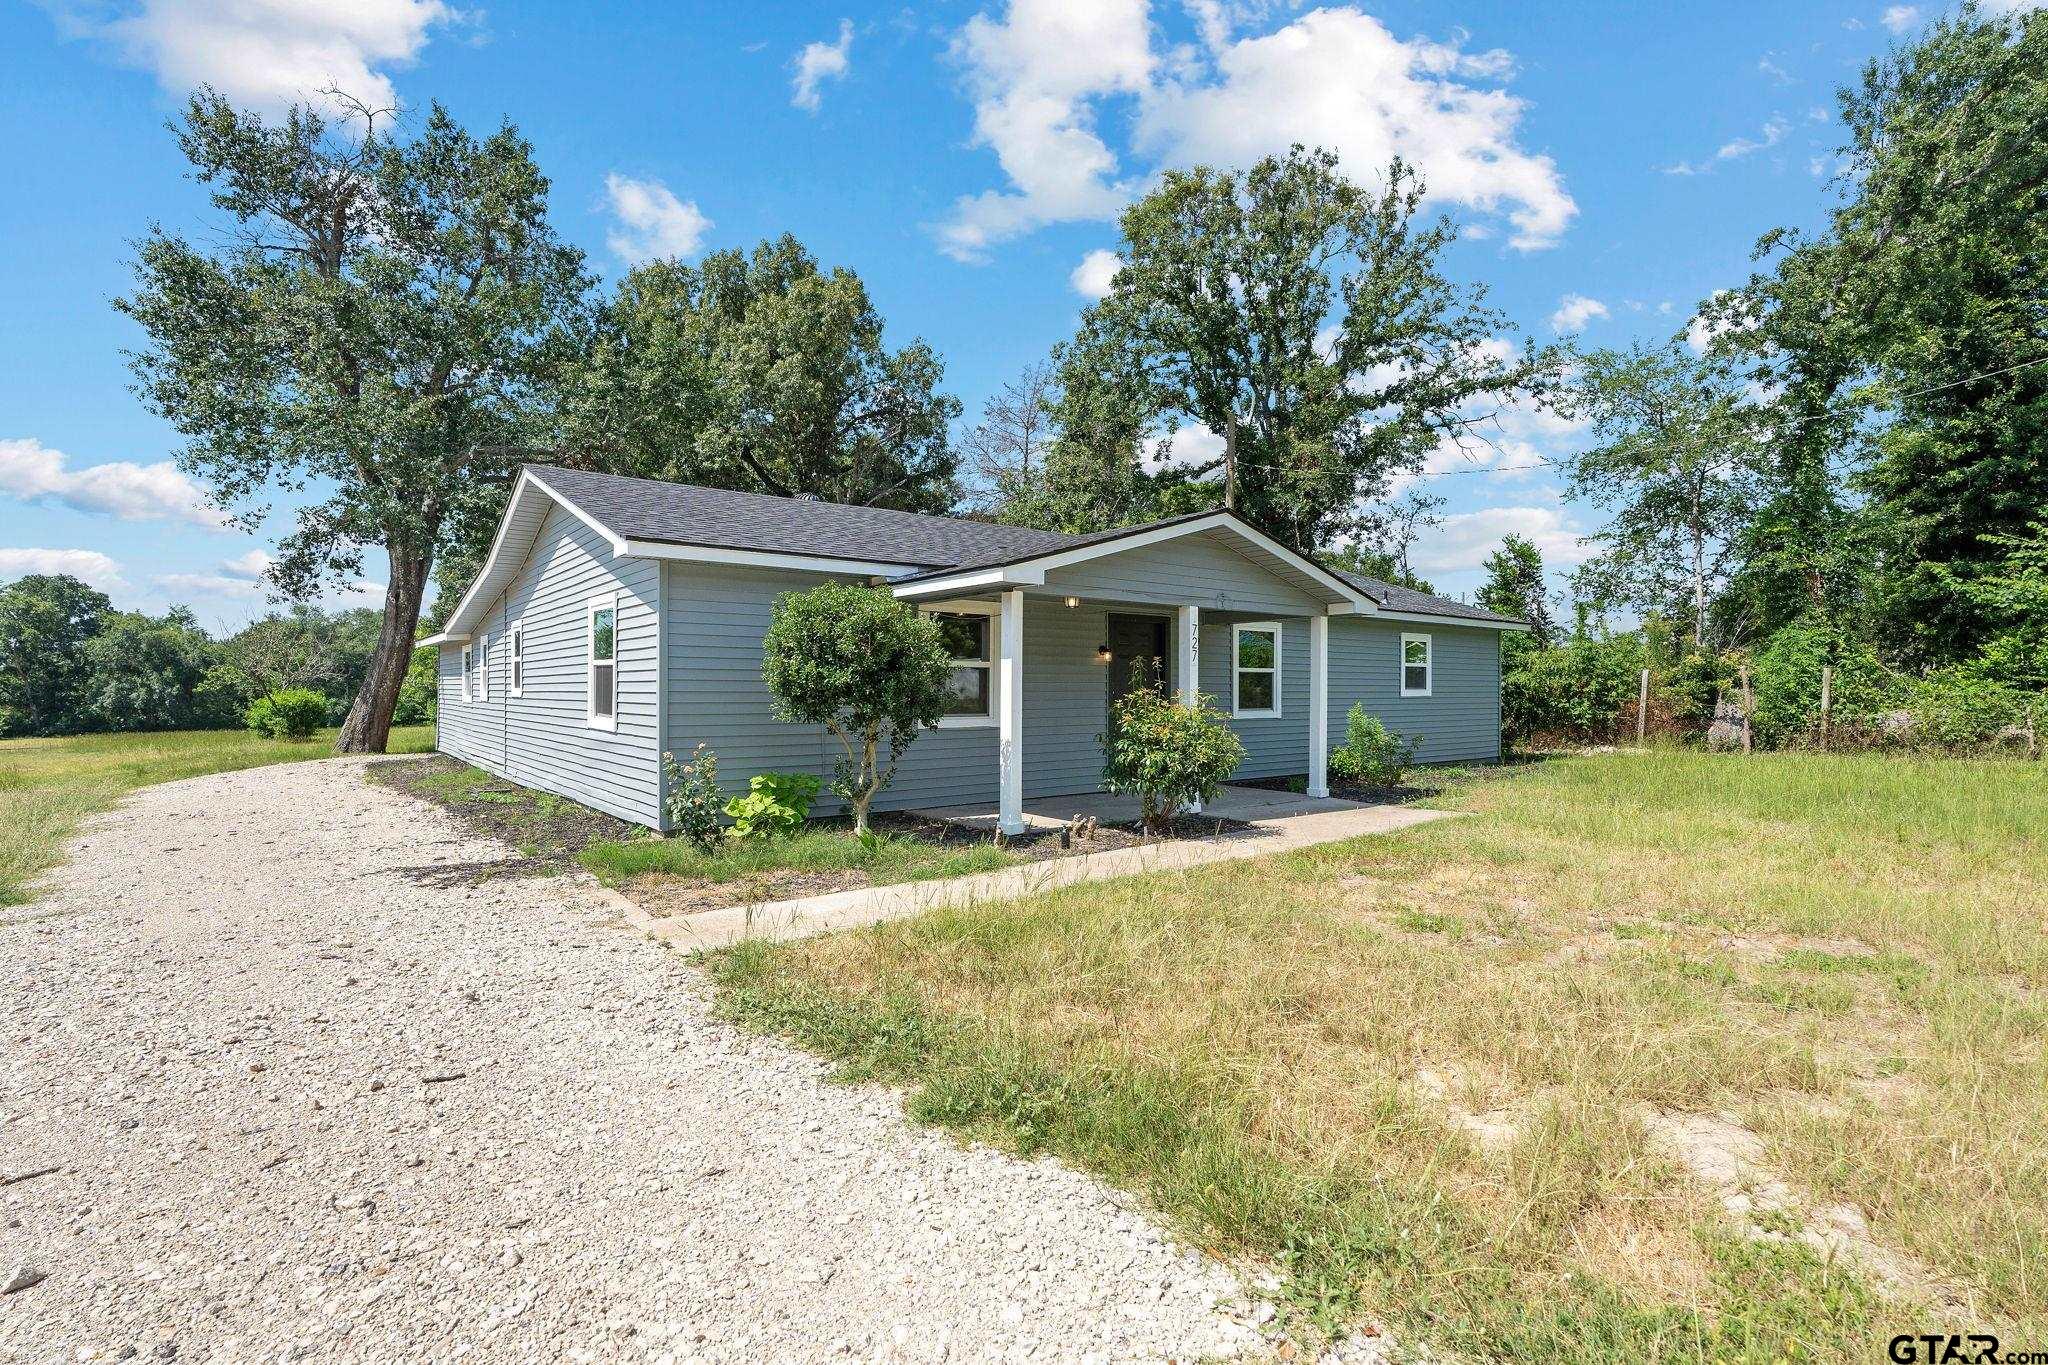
[1137,652]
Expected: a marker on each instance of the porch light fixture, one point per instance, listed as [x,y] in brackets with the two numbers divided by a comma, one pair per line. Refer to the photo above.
[1073,602]
[1102,654]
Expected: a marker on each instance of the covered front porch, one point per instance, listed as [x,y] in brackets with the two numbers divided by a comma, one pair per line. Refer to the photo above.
[1046,643]
[1248,804]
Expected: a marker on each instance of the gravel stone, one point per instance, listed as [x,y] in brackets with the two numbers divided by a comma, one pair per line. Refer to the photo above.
[309,1107]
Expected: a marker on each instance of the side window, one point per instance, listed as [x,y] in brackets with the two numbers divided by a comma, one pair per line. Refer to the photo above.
[970,690]
[603,680]
[1417,665]
[483,668]
[467,680]
[517,682]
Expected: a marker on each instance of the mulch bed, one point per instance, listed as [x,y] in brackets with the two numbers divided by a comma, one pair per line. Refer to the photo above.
[1373,795]
[549,832]
[665,895]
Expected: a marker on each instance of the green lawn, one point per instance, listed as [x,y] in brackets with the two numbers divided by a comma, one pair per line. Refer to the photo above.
[1426,1075]
[48,785]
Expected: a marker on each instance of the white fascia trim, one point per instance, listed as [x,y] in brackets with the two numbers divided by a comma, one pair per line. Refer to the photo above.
[762,559]
[522,489]
[1016,576]
[446,637]
[611,537]
[1032,572]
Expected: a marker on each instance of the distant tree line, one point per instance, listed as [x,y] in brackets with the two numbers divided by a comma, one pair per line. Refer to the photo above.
[388,312]
[70,663]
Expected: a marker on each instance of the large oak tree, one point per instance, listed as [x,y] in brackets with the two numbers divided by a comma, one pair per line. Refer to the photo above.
[371,327]
[1308,321]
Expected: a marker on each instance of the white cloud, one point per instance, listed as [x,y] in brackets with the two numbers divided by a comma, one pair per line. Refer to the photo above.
[652,221]
[246,577]
[1032,76]
[1335,78]
[1765,65]
[1191,445]
[1338,78]
[265,54]
[1899,18]
[1463,540]
[89,566]
[818,63]
[1091,279]
[1700,333]
[121,488]
[1574,311]
[1772,133]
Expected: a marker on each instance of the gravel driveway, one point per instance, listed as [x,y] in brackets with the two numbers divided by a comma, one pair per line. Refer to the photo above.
[305,1105]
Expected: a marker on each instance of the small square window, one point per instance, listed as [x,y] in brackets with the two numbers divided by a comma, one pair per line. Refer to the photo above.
[1255,669]
[969,641]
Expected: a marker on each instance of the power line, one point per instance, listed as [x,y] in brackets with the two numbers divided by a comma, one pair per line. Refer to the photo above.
[1554,464]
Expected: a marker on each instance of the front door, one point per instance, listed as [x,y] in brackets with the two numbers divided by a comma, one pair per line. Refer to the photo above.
[1137,653]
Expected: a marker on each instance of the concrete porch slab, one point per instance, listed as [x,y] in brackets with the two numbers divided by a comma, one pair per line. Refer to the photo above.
[1050,812]
[803,917]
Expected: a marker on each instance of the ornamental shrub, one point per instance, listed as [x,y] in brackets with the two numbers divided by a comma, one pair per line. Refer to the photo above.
[294,713]
[694,801]
[865,666]
[1169,753]
[775,804]
[1370,753]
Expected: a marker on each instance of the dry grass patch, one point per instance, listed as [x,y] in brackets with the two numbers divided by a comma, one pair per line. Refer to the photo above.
[1421,1072]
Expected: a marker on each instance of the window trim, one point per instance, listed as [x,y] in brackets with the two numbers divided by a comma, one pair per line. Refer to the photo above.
[993,611]
[465,674]
[515,661]
[1428,643]
[591,608]
[1237,670]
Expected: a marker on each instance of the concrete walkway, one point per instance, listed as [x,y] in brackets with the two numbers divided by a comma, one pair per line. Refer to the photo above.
[1324,822]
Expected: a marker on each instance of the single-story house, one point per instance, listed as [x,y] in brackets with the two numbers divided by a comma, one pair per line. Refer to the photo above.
[619,618]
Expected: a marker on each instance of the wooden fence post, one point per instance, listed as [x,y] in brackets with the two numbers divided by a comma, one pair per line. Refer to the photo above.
[1642,708]
[1827,697]
[1748,701]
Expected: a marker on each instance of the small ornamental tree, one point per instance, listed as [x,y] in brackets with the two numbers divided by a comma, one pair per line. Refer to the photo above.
[866,667]
[1170,753]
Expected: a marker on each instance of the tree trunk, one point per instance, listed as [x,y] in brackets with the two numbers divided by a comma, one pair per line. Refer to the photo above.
[867,787]
[368,727]
[1230,462]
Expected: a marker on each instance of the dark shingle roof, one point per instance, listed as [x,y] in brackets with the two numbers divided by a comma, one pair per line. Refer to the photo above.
[686,514]
[1394,597]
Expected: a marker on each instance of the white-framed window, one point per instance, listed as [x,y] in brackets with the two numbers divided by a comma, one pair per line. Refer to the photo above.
[1418,665]
[483,668]
[467,679]
[1255,668]
[601,622]
[970,632]
[516,663]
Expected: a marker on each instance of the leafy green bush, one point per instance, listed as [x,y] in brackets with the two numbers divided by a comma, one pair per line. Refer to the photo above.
[1575,691]
[1170,754]
[1959,708]
[1693,684]
[1785,677]
[294,713]
[1370,753]
[693,796]
[775,803]
[419,697]
[866,667]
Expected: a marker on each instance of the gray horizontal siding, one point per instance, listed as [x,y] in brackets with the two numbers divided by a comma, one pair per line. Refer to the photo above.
[542,738]
[1275,746]
[1198,570]
[1458,723]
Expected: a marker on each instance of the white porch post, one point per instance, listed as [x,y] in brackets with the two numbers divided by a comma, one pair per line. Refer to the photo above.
[1188,646]
[1319,705]
[1010,722]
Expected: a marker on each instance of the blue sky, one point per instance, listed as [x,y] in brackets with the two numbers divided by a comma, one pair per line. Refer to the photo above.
[1614,164]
